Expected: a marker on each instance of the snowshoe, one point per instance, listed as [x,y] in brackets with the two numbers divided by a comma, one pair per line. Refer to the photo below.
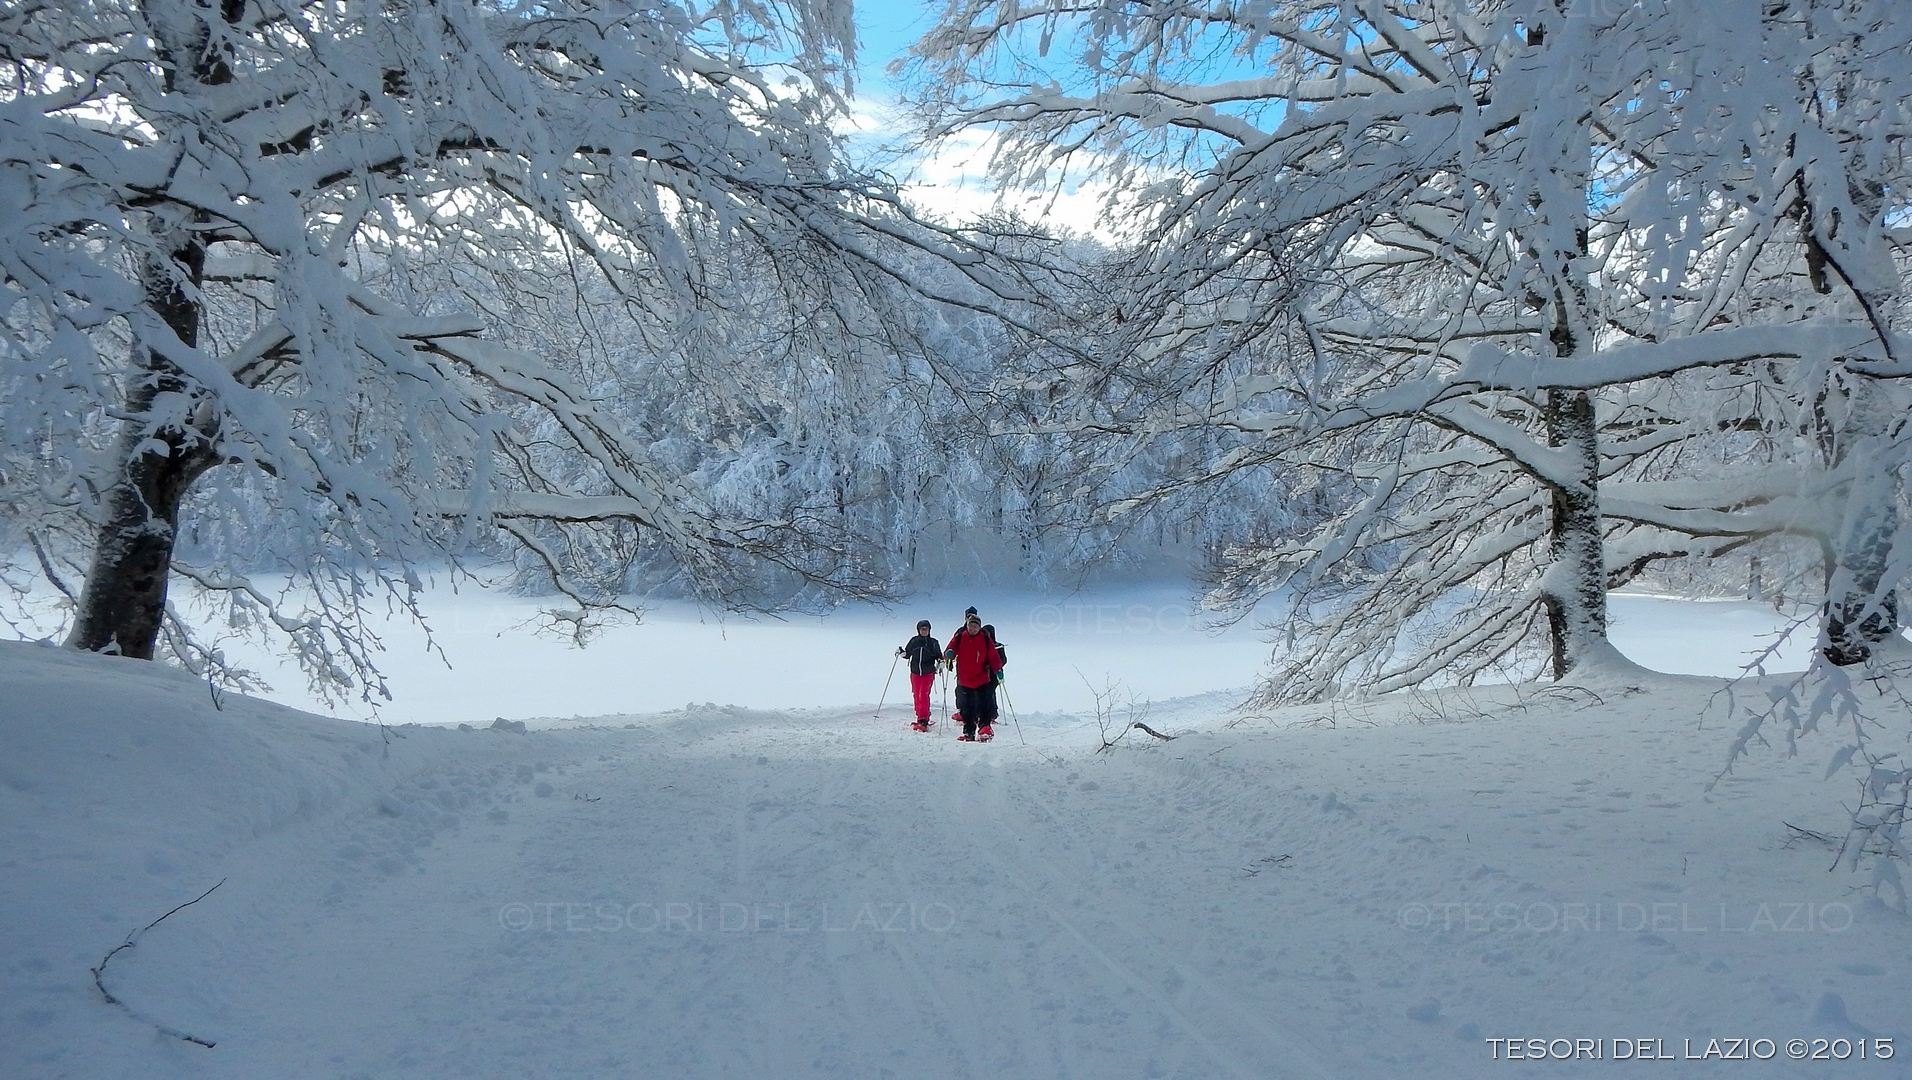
[985,733]
[922,725]
[965,738]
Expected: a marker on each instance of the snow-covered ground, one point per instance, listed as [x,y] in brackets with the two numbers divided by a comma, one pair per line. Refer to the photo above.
[1357,890]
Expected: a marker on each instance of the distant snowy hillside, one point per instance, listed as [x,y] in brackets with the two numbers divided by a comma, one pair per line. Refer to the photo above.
[1365,891]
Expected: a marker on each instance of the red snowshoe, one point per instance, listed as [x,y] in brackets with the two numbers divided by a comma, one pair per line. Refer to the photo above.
[985,733]
[922,725]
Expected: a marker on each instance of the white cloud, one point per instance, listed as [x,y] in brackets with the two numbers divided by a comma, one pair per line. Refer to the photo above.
[951,183]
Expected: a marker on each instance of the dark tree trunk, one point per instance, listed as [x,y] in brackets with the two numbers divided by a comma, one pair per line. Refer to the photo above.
[123,604]
[1849,414]
[1575,587]
[122,607]
[1862,609]
[1855,625]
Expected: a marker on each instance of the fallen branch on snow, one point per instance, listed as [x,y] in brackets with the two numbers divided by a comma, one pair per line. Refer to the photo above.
[1808,834]
[132,939]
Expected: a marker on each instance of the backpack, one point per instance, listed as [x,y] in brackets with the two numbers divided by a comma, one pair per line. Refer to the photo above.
[1002,654]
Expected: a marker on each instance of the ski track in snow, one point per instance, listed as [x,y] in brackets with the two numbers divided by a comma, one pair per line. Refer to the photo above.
[863,901]
[1111,913]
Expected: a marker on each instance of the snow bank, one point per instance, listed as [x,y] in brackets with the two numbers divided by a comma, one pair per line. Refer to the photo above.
[127,788]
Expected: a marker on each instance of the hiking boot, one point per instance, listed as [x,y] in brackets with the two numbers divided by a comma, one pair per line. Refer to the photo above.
[985,733]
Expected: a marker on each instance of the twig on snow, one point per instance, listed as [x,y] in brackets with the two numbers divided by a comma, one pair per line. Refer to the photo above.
[1808,833]
[132,939]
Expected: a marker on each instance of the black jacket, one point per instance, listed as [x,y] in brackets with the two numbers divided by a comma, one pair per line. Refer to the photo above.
[923,652]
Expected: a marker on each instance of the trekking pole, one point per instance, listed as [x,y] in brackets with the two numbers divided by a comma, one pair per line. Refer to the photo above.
[943,677]
[1004,687]
[886,687]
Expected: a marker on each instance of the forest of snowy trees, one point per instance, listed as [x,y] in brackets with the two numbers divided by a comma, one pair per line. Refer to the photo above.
[1427,323]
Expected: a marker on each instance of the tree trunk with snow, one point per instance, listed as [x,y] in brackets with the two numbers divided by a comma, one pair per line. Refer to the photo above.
[1861,608]
[1575,585]
[123,603]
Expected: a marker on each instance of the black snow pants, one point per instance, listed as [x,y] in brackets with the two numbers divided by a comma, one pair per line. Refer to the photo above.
[977,704]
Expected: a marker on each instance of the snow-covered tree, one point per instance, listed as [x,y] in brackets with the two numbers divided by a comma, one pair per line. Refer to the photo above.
[212,222]
[1460,255]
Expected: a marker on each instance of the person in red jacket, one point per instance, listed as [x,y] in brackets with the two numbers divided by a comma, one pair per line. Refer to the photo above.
[974,656]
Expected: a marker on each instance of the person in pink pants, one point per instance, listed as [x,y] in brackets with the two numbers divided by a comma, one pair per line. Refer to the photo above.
[924,656]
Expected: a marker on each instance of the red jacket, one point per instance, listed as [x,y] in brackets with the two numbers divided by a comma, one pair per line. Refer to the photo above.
[976,661]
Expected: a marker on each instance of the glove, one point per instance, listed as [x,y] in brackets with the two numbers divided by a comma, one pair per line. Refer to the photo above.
[899,650]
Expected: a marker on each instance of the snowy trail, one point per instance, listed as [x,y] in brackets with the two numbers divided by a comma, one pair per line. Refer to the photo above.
[757,897]
[834,900]
[1105,923]
[810,893]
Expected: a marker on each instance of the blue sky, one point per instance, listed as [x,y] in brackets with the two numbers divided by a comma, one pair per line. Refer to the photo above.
[884,30]
[949,183]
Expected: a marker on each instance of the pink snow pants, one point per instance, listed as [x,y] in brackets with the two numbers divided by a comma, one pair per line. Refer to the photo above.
[920,686]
